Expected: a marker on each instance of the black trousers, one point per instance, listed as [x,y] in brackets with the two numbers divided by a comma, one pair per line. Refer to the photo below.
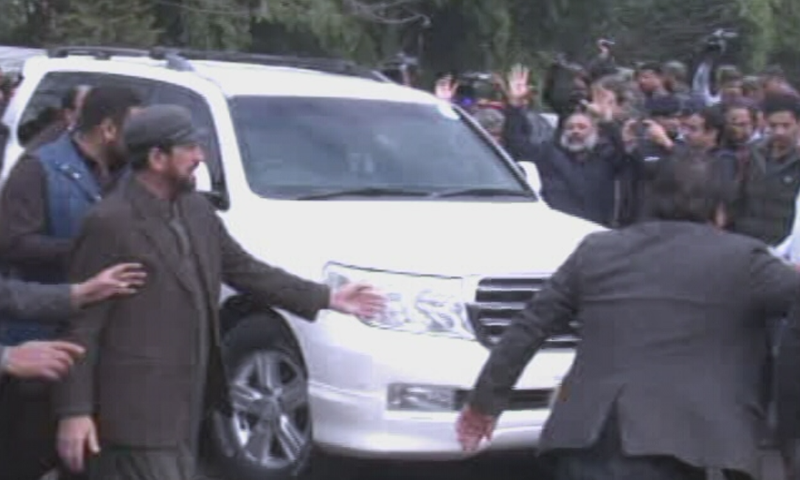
[28,431]
[605,460]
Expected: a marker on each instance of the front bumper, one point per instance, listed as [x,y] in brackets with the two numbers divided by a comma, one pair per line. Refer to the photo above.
[351,367]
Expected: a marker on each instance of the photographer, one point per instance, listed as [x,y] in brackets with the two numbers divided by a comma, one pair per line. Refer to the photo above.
[648,141]
[713,48]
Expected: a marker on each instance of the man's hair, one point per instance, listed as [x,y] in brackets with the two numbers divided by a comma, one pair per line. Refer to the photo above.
[773,72]
[676,70]
[107,102]
[690,187]
[782,103]
[713,118]
[743,104]
[650,67]
[139,158]
[70,98]
[751,84]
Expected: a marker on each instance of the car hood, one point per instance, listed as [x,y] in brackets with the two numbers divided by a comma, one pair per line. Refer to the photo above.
[439,238]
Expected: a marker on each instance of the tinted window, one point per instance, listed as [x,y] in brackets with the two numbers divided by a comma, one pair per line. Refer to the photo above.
[301,146]
[45,103]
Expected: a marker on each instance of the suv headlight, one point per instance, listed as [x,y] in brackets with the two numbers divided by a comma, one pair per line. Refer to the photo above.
[416,304]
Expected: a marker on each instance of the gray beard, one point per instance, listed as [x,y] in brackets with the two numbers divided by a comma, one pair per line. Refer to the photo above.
[580,147]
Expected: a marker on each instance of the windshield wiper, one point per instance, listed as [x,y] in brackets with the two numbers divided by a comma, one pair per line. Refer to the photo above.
[484,192]
[366,192]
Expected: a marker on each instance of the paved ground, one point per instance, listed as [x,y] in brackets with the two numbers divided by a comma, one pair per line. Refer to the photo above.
[507,467]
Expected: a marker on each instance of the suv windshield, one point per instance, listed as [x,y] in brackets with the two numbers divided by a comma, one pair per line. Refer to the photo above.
[323,148]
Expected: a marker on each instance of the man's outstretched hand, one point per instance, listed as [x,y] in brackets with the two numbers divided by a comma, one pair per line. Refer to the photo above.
[472,427]
[358,299]
[43,360]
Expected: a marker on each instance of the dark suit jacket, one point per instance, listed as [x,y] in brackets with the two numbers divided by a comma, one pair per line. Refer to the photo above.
[673,337]
[139,375]
[787,380]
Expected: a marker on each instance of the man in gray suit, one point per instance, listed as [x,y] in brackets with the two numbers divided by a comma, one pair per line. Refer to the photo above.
[667,377]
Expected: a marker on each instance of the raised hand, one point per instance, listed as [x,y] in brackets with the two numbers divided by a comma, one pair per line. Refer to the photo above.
[518,85]
[446,88]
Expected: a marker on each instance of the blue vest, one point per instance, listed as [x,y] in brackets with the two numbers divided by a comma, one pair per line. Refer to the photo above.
[71,188]
[71,191]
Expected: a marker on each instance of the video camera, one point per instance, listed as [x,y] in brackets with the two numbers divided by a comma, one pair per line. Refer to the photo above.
[718,41]
[476,88]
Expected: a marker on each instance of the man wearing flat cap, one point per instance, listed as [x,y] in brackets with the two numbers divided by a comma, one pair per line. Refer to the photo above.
[153,363]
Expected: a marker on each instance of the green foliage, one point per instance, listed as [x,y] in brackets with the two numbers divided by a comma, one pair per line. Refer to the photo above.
[463,34]
[107,22]
[214,25]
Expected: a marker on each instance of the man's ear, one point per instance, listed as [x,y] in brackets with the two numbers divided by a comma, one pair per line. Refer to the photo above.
[156,159]
[109,129]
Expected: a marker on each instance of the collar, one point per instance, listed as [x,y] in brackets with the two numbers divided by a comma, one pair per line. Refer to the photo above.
[152,205]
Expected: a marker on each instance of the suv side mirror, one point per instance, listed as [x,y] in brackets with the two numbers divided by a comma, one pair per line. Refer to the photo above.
[532,175]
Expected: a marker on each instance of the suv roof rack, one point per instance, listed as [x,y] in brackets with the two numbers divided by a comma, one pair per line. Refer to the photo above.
[327,65]
[179,59]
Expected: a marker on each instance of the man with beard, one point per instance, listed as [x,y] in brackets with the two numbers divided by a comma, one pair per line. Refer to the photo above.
[43,203]
[578,168]
[153,362]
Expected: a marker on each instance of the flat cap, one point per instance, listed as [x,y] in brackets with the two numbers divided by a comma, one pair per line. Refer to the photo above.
[160,125]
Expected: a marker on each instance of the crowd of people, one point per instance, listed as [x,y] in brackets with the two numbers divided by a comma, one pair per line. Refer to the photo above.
[614,129]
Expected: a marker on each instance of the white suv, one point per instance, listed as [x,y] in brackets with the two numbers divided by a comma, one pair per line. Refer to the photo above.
[341,177]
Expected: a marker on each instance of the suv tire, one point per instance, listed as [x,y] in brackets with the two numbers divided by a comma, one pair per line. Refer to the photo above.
[267,435]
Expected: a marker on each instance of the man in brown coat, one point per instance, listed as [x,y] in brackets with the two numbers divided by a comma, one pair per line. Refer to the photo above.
[153,360]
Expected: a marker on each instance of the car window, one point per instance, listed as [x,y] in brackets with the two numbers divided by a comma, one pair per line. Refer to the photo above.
[43,108]
[297,146]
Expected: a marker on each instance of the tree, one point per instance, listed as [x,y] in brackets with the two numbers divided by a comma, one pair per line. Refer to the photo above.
[128,23]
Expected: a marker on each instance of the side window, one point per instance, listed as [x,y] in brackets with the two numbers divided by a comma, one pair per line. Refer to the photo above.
[203,118]
[46,103]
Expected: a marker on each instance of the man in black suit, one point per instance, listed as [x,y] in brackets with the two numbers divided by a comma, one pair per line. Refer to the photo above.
[667,377]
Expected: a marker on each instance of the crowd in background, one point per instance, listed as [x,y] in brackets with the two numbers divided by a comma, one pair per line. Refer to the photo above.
[614,127]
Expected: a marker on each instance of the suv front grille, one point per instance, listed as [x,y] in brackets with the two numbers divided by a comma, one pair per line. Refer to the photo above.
[498,300]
